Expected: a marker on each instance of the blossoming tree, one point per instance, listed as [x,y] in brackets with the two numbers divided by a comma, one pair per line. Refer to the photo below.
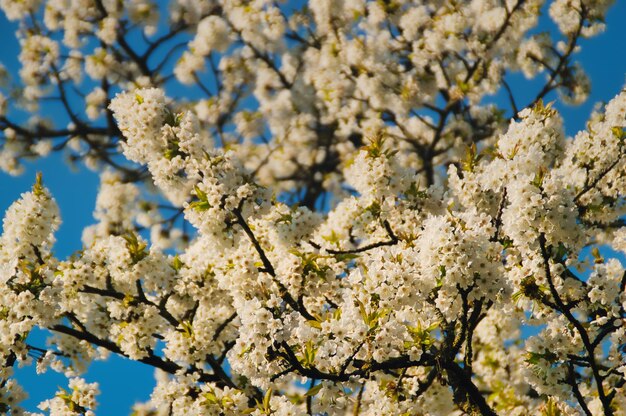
[312,208]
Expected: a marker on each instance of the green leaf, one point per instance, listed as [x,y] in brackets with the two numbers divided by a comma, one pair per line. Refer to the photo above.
[136,248]
[314,390]
[534,358]
[210,398]
[376,147]
[415,192]
[245,350]
[471,158]
[346,257]
[374,208]
[173,150]
[308,354]
[597,257]
[315,324]
[544,110]
[187,329]
[539,177]
[442,275]
[202,204]
[551,408]
[421,336]
[172,119]
[333,238]
[619,133]
[38,188]
[264,406]
[177,263]
[200,193]
[363,312]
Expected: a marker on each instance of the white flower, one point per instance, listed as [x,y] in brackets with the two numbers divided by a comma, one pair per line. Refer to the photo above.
[213,34]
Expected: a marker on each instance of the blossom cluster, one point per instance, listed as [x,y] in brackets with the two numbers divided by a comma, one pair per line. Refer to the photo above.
[341,225]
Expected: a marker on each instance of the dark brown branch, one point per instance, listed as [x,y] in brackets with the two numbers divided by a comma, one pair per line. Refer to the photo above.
[573,382]
[268,268]
[563,59]
[393,239]
[466,394]
[598,178]
[140,298]
[151,359]
[223,326]
[359,397]
[584,336]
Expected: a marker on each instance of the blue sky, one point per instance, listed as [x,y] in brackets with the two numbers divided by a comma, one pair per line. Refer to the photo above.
[122,383]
